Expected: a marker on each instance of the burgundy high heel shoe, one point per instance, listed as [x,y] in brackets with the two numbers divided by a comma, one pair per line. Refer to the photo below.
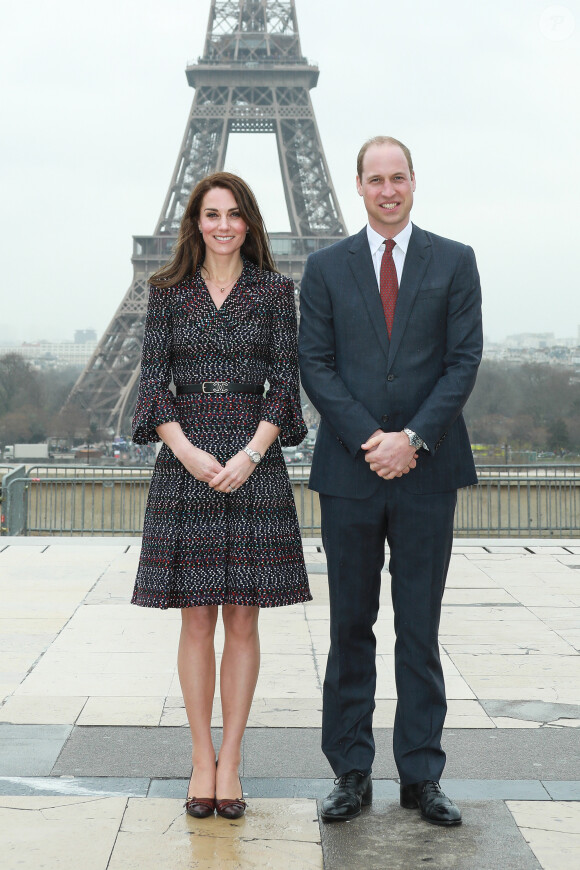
[199,808]
[231,809]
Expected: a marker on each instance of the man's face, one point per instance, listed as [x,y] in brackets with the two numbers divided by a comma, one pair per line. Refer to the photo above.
[387,187]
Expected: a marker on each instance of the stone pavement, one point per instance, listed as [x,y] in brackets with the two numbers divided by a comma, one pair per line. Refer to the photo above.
[94,752]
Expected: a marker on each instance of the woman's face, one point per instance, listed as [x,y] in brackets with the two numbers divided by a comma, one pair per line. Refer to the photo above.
[220,224]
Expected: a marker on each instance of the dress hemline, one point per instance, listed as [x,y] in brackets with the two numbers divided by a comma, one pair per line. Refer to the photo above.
[161,603]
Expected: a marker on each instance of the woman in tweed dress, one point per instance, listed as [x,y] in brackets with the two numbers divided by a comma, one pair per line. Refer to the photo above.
[220,526]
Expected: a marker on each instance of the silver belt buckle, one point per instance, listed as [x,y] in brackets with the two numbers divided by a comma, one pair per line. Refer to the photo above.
[217,387]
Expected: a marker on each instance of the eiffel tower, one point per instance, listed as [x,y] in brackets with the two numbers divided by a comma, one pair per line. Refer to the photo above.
[252,78]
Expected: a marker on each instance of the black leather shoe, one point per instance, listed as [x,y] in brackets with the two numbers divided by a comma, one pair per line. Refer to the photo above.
[435,806]
[352,791]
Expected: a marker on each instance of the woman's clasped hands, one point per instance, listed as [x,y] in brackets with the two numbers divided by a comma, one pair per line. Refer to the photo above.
[221,478]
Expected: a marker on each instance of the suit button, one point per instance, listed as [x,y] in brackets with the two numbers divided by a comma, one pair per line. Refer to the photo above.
[390,377]
[385,418]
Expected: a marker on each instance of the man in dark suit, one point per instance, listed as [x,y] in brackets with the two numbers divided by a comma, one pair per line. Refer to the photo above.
[390,343]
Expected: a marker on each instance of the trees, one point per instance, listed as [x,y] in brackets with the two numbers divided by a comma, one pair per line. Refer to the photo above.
[530,406]
[21,415]
[29,398]
[19,384]
[558,436]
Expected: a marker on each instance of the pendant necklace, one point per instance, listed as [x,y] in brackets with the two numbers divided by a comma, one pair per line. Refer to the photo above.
[225,287]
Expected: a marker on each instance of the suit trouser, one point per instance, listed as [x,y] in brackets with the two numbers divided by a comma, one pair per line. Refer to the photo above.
[419,531]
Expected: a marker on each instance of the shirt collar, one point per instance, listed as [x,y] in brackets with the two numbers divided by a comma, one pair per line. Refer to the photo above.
[402,239]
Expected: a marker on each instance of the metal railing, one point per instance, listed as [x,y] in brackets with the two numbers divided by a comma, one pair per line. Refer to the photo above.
[90,471]
[537,506]
[517,470]
[91,500]
[83,505]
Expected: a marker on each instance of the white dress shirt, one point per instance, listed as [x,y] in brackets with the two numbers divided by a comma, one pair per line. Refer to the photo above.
[377,246]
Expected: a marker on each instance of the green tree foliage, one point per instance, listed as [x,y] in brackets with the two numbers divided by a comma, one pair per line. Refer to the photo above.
[531,407]
[558,435]
[30,398]
[19,384]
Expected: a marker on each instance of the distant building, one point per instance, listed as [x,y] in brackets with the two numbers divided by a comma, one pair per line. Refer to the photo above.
[531,339]
[85,336]
[56,354]
[536,348]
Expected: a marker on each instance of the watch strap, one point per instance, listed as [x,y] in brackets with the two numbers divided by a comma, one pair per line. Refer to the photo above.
[253,454]
[414,440]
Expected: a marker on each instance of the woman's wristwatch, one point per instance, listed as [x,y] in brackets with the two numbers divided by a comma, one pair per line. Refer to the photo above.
[253,454]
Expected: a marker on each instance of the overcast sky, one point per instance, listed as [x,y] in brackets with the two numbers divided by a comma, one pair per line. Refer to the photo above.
[94,102]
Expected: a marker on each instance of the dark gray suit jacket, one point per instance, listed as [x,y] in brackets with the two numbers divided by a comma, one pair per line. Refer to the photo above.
[360,381]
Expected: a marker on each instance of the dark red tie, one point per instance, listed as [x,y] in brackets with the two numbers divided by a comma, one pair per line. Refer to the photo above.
[389,284]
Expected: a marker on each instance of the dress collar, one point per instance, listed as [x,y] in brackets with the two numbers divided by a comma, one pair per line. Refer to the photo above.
[401,239]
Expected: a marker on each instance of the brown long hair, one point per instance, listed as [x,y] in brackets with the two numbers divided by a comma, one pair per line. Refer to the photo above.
[190,247]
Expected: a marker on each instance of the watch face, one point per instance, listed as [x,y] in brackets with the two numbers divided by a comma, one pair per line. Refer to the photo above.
[414,439]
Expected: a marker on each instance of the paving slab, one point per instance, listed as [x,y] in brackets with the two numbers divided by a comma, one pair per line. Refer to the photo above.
[535,711]
[387,836]
[494,789]
[68,785]
[552,831]
[30,750]
[471,754]
[545,550]
[127,752]
[316,568]
[31,710]
[57,833]
[121,711]
[501,753]
[562,790]
[157,834]
[42,542]
[508,550]
[510,638]
[459,789]
[284,787]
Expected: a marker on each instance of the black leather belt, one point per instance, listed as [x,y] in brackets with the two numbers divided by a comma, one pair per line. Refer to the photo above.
[219,387]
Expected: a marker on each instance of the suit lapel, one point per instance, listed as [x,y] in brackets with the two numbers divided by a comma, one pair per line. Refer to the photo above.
[416,262]
[361,265]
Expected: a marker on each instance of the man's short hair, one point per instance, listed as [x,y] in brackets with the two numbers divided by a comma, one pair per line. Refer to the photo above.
[381,140]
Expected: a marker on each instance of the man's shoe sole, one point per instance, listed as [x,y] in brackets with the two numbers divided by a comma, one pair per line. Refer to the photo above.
[441,822]
[326,818]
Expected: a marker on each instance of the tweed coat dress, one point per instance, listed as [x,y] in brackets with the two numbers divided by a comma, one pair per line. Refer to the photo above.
[202,547]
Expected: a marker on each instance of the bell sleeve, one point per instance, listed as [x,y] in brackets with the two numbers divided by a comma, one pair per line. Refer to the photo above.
[282,401]
[155,402]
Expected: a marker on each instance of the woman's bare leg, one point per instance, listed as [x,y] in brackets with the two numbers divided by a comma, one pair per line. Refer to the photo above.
[238,676]
[196,668]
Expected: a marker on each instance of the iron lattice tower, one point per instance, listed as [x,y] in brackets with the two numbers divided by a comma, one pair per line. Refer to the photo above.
[252,78]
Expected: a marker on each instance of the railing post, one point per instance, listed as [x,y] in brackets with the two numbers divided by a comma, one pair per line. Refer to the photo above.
[14,501]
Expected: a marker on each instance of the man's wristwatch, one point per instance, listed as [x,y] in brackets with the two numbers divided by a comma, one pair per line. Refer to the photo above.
[253,454]
[414,440]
